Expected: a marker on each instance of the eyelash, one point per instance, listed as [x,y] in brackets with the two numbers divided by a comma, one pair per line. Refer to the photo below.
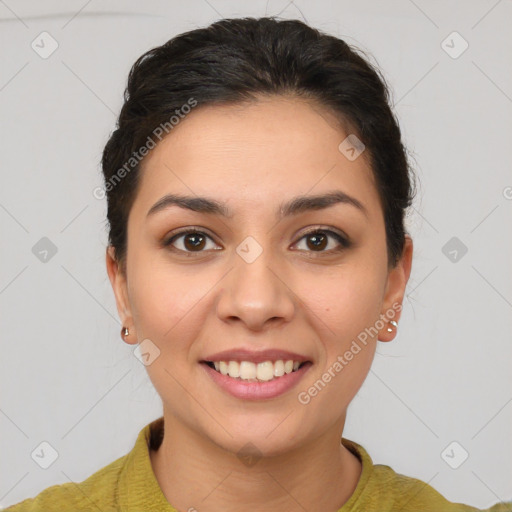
[344,242]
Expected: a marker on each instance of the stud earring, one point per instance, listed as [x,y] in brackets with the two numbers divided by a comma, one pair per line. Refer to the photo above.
[125,331]
[393,323]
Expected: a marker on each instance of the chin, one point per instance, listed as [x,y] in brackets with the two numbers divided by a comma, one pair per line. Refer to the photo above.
[257,436]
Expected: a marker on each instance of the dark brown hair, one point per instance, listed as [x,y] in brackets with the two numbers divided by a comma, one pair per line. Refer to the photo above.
[237,60]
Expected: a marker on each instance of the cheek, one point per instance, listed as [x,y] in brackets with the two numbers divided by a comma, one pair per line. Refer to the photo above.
[346,301]
[162,297]
[345,307]
[165,303]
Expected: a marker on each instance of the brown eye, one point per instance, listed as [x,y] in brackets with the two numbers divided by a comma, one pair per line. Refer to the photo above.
[189,241]
[318,240]
[194,241]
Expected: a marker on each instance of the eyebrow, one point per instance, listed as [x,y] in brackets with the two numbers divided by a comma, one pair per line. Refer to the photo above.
[294,206]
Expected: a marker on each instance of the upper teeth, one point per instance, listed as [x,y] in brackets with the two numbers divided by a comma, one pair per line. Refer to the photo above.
[247,370]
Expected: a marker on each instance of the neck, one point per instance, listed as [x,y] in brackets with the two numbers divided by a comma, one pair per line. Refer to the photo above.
[196,474]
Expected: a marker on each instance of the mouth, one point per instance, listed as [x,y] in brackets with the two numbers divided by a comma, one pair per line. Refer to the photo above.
[248,380]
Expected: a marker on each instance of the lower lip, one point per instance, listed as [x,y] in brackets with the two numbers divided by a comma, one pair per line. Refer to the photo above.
[257,390]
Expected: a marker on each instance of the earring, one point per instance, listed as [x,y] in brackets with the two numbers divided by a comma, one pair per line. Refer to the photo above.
[393,323]
[125,331]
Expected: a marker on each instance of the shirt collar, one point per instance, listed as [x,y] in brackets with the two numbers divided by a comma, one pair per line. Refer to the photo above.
[351,505]
[138,487]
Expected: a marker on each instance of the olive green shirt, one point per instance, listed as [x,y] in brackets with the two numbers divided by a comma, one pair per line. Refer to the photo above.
[128,484]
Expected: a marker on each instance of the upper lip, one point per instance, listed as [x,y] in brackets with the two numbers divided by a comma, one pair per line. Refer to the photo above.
[259,356]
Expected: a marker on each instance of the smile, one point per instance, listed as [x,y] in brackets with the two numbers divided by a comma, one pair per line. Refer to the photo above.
[256,381]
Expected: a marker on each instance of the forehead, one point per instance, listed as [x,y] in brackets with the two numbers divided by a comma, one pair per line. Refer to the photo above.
[255,154]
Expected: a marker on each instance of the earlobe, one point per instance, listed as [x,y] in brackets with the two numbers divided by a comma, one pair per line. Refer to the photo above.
[125,333]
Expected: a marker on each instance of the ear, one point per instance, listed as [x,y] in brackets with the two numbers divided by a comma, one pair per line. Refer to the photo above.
[118,281]
[395,291]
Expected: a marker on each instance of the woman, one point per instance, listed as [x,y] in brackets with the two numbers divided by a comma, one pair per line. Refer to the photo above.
[257,186]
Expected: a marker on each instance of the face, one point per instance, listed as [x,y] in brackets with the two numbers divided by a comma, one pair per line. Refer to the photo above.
[270,280]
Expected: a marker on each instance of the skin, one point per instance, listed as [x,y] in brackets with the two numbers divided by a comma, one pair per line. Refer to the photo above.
[293,296]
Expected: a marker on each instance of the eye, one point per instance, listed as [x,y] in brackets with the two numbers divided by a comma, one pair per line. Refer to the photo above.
[318,240]
[192,241]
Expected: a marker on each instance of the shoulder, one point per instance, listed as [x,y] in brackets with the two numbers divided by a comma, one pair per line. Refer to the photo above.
[381,489]
[409,494]
[97,492]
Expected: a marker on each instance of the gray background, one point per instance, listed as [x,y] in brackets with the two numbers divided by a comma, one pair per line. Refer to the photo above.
[67,377]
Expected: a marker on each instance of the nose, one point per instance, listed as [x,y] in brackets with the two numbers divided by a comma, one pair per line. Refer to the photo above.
[256,294]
